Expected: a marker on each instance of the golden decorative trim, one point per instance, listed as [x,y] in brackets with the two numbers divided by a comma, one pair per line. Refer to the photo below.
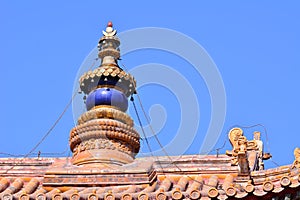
[109,86]
[106,70]
[104,134]
[109,52]
[106,106]
[105,125]
[105,112]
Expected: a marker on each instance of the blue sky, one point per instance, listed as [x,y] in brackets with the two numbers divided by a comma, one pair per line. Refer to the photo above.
[255,46]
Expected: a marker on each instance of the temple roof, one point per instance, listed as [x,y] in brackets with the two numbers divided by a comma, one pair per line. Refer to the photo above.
[188,176]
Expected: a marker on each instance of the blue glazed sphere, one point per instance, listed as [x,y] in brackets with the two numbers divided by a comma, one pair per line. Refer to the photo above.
[107,96]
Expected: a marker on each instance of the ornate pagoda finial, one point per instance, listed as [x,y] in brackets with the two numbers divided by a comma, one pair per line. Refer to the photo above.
[105,134]
[109,51]
[109,31]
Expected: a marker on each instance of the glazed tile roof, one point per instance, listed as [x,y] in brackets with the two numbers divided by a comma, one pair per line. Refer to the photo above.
[191,177]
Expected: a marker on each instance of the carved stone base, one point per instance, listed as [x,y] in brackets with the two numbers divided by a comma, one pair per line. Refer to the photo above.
[101,157]
[103,141]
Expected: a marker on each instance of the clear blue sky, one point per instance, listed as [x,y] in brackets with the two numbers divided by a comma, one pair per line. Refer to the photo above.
[255,46]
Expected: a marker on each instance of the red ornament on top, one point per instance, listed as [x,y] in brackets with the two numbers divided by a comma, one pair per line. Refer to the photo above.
[109,24]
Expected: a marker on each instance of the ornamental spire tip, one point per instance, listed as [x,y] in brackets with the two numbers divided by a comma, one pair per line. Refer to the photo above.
[109,31]
[109,24]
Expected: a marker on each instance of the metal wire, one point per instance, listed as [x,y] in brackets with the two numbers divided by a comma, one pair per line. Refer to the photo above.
[31,152]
